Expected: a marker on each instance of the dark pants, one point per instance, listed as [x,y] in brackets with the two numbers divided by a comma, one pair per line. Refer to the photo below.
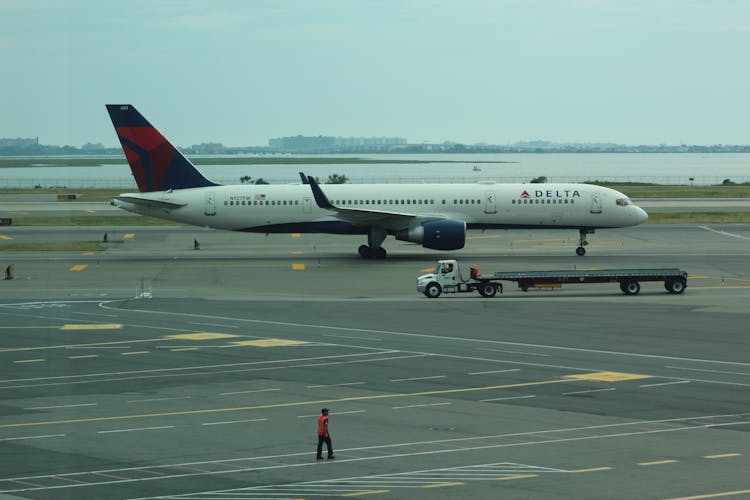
[327,441]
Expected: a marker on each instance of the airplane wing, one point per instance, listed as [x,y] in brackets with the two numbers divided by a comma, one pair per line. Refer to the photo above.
[149,202]
[364,217]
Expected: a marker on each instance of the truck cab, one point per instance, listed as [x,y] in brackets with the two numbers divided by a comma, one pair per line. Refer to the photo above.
[447,278]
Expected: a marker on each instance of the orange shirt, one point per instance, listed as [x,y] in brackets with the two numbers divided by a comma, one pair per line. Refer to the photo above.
[322,425]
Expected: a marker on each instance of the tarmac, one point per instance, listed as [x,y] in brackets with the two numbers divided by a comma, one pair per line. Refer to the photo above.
[151,369]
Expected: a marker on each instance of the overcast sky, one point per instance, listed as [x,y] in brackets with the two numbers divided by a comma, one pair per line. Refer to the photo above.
[241,72]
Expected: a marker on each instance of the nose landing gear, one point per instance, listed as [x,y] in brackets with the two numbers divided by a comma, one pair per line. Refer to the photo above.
[581,251]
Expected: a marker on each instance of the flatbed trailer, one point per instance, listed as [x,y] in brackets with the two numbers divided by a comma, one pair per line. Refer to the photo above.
[447,278]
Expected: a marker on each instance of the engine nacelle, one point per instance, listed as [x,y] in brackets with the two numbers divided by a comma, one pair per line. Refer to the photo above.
[436,234]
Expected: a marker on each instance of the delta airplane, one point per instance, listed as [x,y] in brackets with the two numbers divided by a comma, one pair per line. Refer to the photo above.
[436,216]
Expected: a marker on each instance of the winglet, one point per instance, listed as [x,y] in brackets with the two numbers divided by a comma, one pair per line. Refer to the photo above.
[320,198]
[304,178]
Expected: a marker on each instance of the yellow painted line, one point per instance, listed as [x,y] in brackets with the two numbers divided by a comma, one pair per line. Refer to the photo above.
[90,326]
[89,211]
[185,349]
[128,236]
[517,476]
[30,360]
[362,493]
[130,353]
[723,455]
[658,462]
[296,235]
[73,346]
[715,495]
[298,266]
[269,342]
[297,252]
[78,267]
[84,356]
[88,253]
[284,405]
[608,376]
[201,336]
[441,485]
[594,469]
[3,237]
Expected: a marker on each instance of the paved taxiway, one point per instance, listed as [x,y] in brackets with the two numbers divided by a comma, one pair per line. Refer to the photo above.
[210,388]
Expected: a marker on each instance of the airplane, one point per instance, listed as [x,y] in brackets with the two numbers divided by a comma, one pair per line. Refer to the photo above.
[436,216]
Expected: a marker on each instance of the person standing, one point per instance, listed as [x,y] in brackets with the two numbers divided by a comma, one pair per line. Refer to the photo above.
[323,435]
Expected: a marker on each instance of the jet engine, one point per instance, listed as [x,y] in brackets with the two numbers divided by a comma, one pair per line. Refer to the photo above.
[436,234]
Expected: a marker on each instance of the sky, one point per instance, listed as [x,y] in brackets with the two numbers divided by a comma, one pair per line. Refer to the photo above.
[498,72]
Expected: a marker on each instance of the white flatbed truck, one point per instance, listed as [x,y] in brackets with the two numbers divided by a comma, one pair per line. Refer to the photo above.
[447,278]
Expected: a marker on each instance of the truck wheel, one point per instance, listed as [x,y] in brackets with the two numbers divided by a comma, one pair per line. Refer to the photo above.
[675,286]
[631,288]
[487,289]
[433,290]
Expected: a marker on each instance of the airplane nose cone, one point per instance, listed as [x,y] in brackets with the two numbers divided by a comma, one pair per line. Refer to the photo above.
[641,215]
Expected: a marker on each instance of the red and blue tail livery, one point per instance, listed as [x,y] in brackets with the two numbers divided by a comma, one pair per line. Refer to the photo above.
[155,163]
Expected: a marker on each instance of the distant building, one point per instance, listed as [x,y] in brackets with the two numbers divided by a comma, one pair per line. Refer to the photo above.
[19,143]
[328,144]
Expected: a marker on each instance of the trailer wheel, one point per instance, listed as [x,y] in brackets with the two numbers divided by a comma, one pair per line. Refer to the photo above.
[487,289]
[675,286]
[630,287]
[433,290]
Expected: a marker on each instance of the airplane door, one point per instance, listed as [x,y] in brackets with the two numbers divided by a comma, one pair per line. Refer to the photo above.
[596,204]
[210,204]
[490,207]
[307,205]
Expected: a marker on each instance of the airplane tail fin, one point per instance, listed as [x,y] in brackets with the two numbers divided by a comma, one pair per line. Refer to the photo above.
[155,163]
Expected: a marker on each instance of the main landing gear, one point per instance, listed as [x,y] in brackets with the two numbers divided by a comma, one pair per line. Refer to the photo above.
[373,250]
[581,251]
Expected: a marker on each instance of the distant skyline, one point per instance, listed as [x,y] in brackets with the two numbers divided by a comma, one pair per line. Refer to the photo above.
[499,72]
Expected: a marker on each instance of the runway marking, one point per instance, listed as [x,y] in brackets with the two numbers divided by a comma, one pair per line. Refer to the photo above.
[714,495]
[89,326]
[4,237]
[298,266]
[509,397]
[138,429]
[177,349]
[517,476]
[419,406]
[236,421]
[158,399]
[128,236]
[723,455]
[32,437]
[296,235]
[283,405]
[37,360]
[247,392]
[667,383]
[88,254]
[334,385]
[658,462]
[212,324]
[513,352]
[593,469]
[201,336]
[78,267]
[416,378]
[724,233]
[608,376]
[59,406]
[269,342]
[362,493]
[131,353]
[297,252]
[586,392]
[350,337]
[495,371]
[441,485]
[83,356]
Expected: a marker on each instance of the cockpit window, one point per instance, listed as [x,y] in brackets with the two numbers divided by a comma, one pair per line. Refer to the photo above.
[624,201]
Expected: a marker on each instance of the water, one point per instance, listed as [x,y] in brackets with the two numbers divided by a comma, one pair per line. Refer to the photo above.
[673,168]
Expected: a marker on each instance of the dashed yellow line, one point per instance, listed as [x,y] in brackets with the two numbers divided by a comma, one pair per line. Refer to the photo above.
[517,476]
[128,236]
[658,462]
[441,485]
[593,469]
[78,267]
[3,237]
[298,266]
[723,455]
[715,495]
[362,493]
[92,326]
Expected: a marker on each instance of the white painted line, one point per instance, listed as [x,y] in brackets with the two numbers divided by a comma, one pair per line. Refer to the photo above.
[514,352]
[418,406]
[708,371]
[95,314]
[335,385]
[667,383]
[32,437]
[214,324]
[247,392]
[351,337]
[138,429]
[416,378]
[60,406]
[349,412]
[494,371]
[586,392]
[509,397]
[236,421]
[157,399]
[724,233]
